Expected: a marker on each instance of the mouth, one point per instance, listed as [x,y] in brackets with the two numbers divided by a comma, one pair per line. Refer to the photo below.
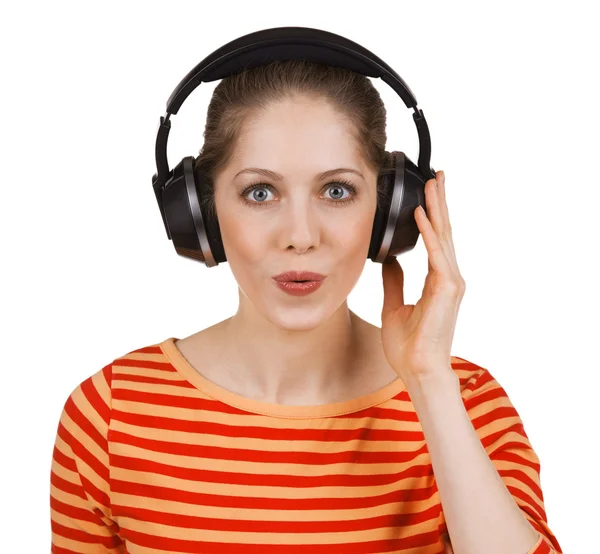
[299,277]
[299,287]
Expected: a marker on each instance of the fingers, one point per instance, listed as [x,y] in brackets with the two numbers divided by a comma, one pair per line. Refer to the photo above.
[434,205]
[437,208]
[441,194]
[437,259]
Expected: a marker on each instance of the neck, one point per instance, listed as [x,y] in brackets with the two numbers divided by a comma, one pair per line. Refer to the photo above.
[300,366]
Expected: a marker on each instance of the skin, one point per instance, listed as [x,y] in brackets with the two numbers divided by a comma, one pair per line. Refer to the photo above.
[294,350]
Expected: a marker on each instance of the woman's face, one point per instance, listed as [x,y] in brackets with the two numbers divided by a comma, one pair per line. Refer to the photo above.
[298,221]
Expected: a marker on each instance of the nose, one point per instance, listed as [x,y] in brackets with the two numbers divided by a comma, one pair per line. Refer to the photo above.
[300,225]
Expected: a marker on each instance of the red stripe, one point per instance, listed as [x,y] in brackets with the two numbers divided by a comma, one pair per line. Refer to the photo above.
[141,498]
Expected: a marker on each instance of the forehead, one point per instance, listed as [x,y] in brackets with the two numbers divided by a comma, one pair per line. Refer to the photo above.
[302,130]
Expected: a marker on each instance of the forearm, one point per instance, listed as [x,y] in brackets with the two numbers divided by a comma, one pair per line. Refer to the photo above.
[480,513]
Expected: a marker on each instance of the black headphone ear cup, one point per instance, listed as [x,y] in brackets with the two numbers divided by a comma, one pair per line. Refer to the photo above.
[407,231]
[211,222]
[193,237]
[394,228]
[385,183]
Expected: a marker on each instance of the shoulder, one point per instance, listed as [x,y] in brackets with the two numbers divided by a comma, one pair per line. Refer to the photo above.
[90,402]
[476,380]
[465,370]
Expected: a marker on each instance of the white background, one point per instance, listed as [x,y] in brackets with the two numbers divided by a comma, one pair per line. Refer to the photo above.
[510,92]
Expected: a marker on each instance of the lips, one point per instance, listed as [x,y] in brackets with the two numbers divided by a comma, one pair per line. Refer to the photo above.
[299,276]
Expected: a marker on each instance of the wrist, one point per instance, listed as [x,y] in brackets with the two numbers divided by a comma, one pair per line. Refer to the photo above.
[434,383]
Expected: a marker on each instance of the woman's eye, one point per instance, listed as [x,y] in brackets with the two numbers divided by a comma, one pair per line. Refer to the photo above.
[256,194]
[259,192]
[338,193]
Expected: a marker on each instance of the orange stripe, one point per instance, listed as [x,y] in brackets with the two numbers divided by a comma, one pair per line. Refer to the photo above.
[145,457]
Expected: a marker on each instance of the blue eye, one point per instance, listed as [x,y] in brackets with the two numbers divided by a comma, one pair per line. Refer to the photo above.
[345,184]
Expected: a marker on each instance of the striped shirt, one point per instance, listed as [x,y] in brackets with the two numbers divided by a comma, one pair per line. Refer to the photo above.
[152,457]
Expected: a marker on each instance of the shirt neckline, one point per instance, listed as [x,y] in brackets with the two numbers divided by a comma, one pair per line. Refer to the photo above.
[180,363]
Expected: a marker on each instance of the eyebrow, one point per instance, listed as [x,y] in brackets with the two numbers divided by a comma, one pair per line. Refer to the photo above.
[278,177]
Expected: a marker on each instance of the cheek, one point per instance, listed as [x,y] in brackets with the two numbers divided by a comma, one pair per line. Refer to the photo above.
[245,247]
[353,243]
[354,239]
[245,241]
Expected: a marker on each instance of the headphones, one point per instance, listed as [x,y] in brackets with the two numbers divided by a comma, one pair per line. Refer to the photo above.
[197,236]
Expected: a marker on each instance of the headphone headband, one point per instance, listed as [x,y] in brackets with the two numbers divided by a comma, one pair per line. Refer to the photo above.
[284,43]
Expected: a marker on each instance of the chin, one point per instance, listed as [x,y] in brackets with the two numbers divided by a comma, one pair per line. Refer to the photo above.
[303,317]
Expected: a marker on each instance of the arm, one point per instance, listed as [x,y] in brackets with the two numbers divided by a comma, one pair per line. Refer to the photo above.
[79,490]
[486,471]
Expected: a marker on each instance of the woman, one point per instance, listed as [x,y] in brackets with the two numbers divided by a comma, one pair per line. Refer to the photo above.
[295,425]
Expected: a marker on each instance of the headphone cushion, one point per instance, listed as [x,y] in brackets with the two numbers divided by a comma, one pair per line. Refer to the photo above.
[410,186]
[386,182]
[211,223]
